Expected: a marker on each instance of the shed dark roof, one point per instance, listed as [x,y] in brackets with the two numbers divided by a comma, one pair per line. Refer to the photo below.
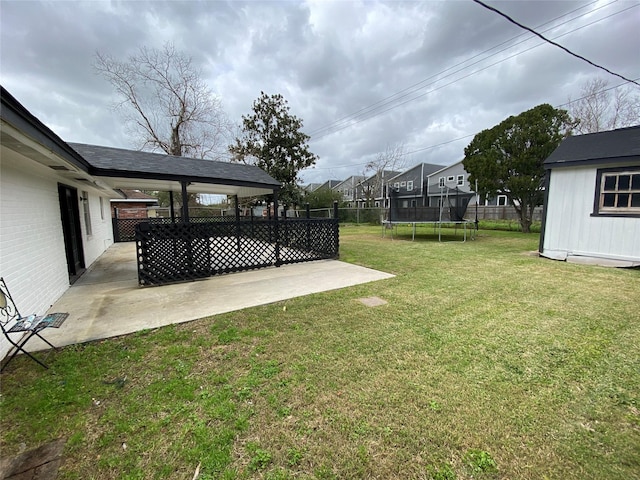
[614,146]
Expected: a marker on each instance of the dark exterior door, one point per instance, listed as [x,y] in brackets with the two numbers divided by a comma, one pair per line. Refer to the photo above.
[71,229]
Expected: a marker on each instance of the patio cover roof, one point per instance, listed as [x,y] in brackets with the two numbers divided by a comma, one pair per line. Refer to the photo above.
[110,169]
[123,169]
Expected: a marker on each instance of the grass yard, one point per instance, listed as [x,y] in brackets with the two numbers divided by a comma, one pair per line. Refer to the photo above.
[486,363]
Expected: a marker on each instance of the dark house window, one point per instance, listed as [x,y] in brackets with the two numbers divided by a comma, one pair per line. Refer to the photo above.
[618,192]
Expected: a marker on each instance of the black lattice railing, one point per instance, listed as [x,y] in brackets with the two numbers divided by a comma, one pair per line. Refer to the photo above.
[170,253]
[124,229]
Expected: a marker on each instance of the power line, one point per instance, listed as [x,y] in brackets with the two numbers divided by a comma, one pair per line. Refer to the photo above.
[479,2]
[373,114]
[334,126]
[430,147]
[596,93]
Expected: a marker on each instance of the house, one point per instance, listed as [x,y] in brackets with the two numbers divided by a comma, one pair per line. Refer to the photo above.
[135,204]
[447,182]
[372,191]
[56,217]
[592,200]
[409,187]
[329,184]
[55,200]
[349,189]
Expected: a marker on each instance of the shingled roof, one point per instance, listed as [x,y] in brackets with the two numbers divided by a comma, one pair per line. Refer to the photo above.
[614,146]
[113,169]
[122,168]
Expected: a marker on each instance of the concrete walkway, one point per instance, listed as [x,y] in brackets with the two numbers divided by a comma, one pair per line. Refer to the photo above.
[107,301]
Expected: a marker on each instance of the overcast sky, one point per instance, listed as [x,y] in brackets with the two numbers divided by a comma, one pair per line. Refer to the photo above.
[454,67]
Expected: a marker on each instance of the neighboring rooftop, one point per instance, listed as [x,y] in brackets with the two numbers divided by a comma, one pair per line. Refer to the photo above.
[138,196]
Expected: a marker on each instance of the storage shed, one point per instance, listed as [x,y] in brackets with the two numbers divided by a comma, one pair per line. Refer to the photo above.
[592,199]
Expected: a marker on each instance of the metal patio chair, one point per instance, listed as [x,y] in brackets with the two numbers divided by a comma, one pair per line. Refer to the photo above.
[12,322]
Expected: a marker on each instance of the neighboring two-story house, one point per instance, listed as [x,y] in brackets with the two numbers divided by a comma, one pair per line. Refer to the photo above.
[372,191]
[409,187]
[446,182]
[349,189]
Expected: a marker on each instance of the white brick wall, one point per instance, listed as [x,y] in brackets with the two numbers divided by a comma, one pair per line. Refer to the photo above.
[32,255]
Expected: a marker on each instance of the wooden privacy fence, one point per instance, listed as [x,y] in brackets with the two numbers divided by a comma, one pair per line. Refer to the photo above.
[178,252]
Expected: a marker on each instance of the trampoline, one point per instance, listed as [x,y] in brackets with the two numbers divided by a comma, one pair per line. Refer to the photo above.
[451,210]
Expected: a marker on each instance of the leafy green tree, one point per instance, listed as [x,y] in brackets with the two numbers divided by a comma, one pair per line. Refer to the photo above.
[323,198]
[508,158]
[271,139]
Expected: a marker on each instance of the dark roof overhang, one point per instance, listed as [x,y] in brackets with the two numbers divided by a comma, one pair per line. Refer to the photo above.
[110,169]
[123,169]
[614,147]
[45,146]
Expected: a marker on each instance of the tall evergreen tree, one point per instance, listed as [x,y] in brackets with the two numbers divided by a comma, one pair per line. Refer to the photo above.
[271,138]
[508,158]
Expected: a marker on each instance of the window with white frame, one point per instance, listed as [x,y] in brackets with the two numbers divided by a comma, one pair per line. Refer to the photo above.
[501,201]
[441,182]
[87,213]
[618,192]
[460,180]
[403,184]
[396,186]
[450,178]
[410,185]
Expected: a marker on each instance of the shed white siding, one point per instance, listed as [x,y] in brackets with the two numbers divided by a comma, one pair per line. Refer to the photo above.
[570,228]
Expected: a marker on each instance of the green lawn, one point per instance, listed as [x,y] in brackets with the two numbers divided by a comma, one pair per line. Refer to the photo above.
[487,363]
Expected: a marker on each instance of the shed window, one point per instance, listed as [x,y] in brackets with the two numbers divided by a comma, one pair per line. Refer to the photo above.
[441,182]
[410,185]
[618,192]
[460,180]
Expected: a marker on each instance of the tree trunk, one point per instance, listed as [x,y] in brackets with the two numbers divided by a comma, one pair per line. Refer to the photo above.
[525,218]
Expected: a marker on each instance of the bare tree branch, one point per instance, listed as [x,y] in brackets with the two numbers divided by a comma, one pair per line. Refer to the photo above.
[599,109]
[167,103]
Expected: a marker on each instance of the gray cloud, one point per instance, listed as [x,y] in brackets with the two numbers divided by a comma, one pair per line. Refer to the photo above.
[329,59]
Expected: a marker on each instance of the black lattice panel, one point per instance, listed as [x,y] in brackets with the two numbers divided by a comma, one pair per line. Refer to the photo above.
[124,229]
[308,239]
[170,253]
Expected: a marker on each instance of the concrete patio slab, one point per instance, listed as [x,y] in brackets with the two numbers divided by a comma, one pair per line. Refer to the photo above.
[107,301]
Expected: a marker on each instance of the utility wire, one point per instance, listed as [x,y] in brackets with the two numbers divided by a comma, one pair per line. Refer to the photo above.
[489,7]
[334,126]
[412,88]
[379,112]
[430,147]
[361,117]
